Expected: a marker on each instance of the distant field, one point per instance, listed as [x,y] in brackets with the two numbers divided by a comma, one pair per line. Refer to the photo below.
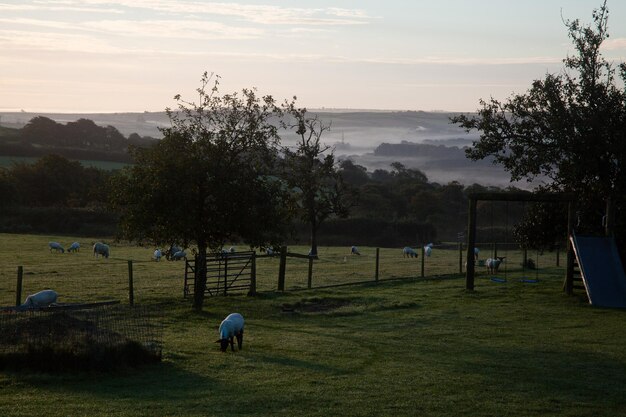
[8,161]
[405,347]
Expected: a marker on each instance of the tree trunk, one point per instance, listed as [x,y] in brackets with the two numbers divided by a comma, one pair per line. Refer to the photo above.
[313,251]
[200,277]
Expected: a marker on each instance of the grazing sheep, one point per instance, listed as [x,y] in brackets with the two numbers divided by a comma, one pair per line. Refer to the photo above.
[55,246]
[41,299]
[428,249]
[181,254]
[100,248]
[408,252]
[231,326]
[157,254]
[171,251]
[74,247]
[269,251]
[355,251]
[493,264]
[476,252]
[231,249]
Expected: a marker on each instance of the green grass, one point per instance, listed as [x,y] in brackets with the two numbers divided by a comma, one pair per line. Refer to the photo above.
[405,347]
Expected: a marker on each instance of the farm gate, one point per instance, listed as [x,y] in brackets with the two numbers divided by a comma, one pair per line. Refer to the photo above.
[228,273]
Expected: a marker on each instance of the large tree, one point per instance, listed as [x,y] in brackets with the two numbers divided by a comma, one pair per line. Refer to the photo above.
[313,175]
[207,181]
[568,128]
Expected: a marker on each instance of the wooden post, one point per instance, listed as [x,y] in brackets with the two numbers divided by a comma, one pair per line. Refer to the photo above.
[525,258]
[131,290]
[471,241]
[281,268]
[558,255]
[252,290]
[495,250]
[377,264]
[460,258]
[226,275]
[18,288]
[423,260]
[310,278]
[569,276]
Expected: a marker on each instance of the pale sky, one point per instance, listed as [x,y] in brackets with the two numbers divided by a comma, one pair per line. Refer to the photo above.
[135,55]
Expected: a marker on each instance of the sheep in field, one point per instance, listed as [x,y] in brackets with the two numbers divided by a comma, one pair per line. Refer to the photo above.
[428,249]
[408,252]
[41,299]
[181,254]
[231,326]
[55,246]
[74,247]
[493,264]
[169,253]
[100,248]
[157,254]
[354,250]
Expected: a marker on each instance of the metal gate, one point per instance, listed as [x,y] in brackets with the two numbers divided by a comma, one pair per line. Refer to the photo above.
[228,273]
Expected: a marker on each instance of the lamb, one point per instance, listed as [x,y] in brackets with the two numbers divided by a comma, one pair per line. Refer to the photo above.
[181,254]
[74,247]
[231,326]
[41,299]
[493,264]
[408,252]
[428,249]
[157,254]
[100,248]
[55,246]
[355,251]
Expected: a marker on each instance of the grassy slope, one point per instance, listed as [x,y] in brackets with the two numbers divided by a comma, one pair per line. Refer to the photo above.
[405,347]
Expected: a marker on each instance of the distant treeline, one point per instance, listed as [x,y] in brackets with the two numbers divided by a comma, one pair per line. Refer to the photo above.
[395,207]
[82,139]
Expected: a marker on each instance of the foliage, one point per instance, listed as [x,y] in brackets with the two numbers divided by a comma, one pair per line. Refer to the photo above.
[310,170]
[568,128]
[207,181]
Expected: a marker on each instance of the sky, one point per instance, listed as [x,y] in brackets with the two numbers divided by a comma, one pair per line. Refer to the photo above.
[95,56]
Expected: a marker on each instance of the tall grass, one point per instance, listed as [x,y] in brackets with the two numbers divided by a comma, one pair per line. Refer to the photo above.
[405,347]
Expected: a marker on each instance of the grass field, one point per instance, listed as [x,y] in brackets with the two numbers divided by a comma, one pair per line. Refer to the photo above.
[405,347]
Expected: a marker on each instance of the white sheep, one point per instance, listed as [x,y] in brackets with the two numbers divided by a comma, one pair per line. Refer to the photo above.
[428,249]
[269,251]
[476,252]
[157,254]
[354,250]
[74,247]
[55,246]
[169,253]
[231,249]
[493,264]
[41,299]
[408,252]
[181,254]
[100,248]
[231,326]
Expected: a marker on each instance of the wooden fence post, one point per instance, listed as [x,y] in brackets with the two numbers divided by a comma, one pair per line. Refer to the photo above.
[226,274]
[18,288]
[253,276]
[558,255]
[281,268]
[310,278]
[460,258]
[377,264]
[131,290]
[423,260]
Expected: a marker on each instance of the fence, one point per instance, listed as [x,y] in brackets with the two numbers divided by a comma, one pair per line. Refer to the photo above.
[138,281]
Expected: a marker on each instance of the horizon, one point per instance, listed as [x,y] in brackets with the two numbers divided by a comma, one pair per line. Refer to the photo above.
[133,56]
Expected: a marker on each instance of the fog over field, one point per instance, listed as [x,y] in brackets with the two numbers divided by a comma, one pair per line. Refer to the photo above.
[354,134]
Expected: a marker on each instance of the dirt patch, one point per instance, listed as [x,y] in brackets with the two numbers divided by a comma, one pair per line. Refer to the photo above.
[315,305]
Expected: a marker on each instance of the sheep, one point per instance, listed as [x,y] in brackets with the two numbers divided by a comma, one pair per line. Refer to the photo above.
[100,248]
[157,254]
[55,246]
[493,264]
[269,251]
[408,252]
[476,252]
[41,299]
[428,249]
[231,326]
[181,254]
[231,249]
[355,251]
[74,247]
[171,251]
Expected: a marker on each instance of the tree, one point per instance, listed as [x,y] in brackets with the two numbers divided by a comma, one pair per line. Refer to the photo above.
[206,182]
[569,128]
[310,170]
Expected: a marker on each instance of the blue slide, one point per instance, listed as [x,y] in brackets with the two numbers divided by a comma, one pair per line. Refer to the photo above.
[601,270]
